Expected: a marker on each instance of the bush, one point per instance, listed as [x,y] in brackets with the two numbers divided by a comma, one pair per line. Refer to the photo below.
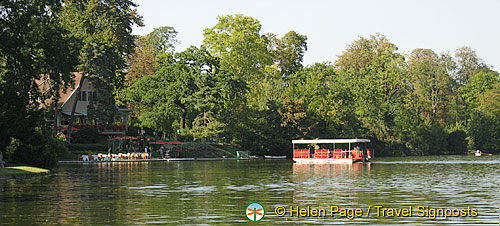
[485,132]
[457,144]
[87,135]
[428,140]
[41,149]
[201,150]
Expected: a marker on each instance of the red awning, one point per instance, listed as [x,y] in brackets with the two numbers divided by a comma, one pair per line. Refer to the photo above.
[175,142]
[125,138]
[159,142]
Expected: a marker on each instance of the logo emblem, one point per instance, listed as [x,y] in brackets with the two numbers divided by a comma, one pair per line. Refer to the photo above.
[255,212]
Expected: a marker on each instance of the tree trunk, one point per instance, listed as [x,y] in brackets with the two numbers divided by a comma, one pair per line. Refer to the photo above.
[1,160]
[205,116]
[183,118]
[73,108]
[55,116]
[183,113]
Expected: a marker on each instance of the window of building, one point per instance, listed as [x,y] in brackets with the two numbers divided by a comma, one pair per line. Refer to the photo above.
[84,96]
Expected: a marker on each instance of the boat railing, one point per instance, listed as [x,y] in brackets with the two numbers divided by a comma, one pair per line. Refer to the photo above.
[301,153]
[322,154]
[336,153]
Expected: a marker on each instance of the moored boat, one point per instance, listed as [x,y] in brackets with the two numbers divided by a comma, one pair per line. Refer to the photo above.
[332,151]
[275,156]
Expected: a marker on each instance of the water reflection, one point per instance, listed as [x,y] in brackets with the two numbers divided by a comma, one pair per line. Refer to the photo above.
[306,171]
[218,192]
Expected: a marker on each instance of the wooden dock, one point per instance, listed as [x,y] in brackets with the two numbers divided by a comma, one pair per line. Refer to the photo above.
[153,160]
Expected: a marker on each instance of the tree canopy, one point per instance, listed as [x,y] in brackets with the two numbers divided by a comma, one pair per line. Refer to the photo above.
[34,47]
[408,104]
[103,29]
[241,87]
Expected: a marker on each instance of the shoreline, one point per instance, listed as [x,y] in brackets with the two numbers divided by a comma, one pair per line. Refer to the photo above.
[153,160]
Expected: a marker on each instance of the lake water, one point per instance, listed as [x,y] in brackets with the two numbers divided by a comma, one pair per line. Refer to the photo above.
[214,192]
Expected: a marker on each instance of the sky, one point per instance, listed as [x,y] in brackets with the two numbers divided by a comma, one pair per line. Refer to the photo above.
[330,26]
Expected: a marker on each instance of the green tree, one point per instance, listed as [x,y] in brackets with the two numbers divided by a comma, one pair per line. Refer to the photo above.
[489,101]
[432,85]
[468,64]
[484,127]
[318,105]
[288,52]
[180,72]
[152,107]
[376,75]
[142,61]
[189,82]
[465,98]
[269,89]
[484,131]
[457,143]
[102,108]
[207,98]
[163,39]
[478,84]
[237,41]
[104,30]
[33,47]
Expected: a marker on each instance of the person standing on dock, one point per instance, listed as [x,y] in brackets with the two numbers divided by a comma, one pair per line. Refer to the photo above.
[161,152]
[1,160]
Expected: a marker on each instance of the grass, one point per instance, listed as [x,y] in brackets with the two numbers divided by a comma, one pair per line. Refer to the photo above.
[229,150]
[21,170]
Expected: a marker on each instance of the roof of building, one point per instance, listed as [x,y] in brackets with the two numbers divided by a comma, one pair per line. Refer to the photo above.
[64,95]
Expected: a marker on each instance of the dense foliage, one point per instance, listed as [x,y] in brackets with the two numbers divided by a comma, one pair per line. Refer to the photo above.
[416,104]
[46,40]
[87,135]
[103,30]
[241,87]
[33,45]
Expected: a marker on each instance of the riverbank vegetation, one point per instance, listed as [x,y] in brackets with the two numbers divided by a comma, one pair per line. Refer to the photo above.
[250,89]
[47,40]
[240,87]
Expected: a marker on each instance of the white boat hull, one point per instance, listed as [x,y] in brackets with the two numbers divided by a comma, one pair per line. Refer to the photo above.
[275,156]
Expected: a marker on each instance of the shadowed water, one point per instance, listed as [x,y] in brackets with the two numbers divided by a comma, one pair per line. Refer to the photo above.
[218,191]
